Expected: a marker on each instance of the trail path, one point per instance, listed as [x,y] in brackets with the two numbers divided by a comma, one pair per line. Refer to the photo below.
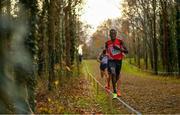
[83,95]
[147,94]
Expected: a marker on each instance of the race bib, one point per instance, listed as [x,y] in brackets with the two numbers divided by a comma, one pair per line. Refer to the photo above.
[114,51]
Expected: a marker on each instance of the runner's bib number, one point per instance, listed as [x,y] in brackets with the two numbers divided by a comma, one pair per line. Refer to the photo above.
[114,51]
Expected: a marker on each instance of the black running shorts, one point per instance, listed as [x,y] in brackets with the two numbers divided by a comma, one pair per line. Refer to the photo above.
[114,67]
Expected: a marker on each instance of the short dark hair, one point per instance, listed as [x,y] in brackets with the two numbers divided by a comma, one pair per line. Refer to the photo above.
[113,30]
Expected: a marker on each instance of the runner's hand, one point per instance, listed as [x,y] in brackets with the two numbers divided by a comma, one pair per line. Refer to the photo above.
[115,47]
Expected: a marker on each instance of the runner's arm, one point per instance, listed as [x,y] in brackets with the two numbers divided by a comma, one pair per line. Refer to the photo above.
[98,58]
[106,46]
[124,50]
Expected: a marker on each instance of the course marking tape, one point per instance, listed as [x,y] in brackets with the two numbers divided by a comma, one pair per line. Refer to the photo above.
[128,106]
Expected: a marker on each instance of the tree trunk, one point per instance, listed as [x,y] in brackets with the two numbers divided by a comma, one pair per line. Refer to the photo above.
[178,31]
[151,48]
[51,43]
[138,52]
[154,38]
[68,36]
[165,35]
[4,97]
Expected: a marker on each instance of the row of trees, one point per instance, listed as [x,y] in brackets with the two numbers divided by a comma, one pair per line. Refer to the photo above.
[150,29]
[154,33]
[38,38]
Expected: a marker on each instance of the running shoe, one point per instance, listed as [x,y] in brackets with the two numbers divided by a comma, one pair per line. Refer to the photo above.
[118,93]
[107,88]
[114,95]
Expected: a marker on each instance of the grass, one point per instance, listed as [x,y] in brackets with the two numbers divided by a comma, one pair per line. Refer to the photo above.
[126,68]
[104,102]
[142,64]
[103,99]
[91,64]
[82,103]
[130,69]
[135,71]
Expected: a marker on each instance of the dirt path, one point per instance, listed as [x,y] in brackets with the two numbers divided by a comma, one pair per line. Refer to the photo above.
[146,94]
[151,95]
[82,95]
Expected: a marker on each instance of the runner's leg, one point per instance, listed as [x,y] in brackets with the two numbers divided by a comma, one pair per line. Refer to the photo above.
[110,66]
[118,69]
[107,78]
[102,73]
[118,76]
[113,75]
[101,70]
